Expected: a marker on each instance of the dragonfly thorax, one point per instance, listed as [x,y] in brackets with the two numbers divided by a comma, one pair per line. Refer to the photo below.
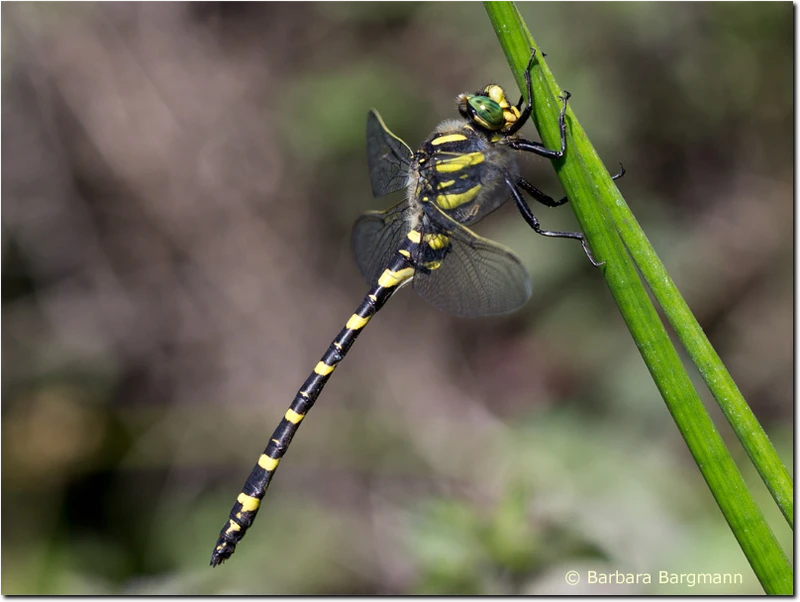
[461,172]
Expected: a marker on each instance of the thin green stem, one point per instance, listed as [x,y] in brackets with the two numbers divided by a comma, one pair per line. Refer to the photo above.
[719,381]
[593,197]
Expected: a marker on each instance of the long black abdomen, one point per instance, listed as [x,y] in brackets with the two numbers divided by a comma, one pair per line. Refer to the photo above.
[244,511]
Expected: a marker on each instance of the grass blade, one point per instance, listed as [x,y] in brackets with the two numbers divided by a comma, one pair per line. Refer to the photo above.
[594,197]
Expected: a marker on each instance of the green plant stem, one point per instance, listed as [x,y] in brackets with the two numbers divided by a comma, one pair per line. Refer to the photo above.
[719,381]
[592,193]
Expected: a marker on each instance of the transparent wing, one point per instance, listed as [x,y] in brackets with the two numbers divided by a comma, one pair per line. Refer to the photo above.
[389,157]
[376,237]
[477,277]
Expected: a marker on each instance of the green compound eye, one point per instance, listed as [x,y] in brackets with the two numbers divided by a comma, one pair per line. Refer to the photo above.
[488,113]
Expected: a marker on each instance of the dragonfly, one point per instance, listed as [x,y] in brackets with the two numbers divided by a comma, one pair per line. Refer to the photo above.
[463,171]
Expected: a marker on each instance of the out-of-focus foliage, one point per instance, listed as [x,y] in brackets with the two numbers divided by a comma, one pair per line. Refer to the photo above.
[178,186]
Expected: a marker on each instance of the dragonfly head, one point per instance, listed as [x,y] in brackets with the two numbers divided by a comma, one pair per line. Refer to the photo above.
[488,108]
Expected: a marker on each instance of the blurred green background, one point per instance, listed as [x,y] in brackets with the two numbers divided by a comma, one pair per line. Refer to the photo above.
[179,181]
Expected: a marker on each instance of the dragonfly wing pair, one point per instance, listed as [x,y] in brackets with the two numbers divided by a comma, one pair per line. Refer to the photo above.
[450,267]
[476,276]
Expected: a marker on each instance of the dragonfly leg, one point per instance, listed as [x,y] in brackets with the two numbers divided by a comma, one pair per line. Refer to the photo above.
[533,222]
[540,196]
[526,113]
[549,201]
[537,147]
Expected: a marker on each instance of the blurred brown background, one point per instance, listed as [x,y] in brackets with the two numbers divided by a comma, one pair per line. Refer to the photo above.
[178,185]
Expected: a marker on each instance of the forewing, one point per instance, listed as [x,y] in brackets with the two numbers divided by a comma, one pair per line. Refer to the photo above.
[389,157]
[477,277]
[377,236]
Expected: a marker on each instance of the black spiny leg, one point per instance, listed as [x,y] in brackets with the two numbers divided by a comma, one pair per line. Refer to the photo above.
[540,196]
[537,147]
[534,223]
[549,201]
[529,145]
[526,113]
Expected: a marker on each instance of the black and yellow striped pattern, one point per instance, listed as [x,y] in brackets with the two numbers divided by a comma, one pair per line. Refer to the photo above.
[458,171]
[461,173]
[399,271]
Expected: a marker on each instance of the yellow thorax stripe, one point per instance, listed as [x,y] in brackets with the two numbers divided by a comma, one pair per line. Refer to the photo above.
[448,138]
[451,201]
[459,162]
